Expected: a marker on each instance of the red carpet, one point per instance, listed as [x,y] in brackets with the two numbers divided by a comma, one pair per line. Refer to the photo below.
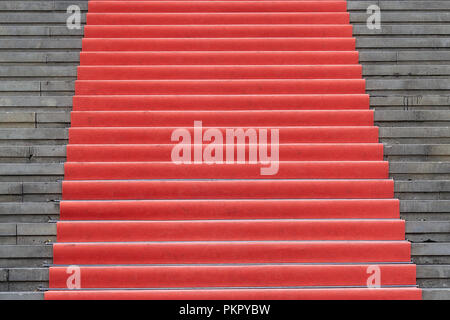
[137,223]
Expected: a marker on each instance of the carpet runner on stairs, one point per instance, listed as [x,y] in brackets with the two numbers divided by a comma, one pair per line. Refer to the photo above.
[225,84]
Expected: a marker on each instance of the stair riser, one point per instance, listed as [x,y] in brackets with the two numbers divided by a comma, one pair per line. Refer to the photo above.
[163,135]
[231,252]
[222,119]
[221,102]
[293,152]
[222,44]
[219,72]
[229,209]
[218,58]
[161,87]
[230,231]
[242,294]
[217,18]
[212,31]
[203,6]
[240,189]
[232,276]
[171,170]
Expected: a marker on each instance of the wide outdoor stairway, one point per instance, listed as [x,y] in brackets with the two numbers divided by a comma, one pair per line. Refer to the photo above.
[315,227]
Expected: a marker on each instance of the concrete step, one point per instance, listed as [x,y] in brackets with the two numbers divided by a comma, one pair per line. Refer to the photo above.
[394,152]
[47,191]
[403,56]
[406,135]
[428,294]
[437,276]
[405,71]
[425,210]
[375,86]
[433,271]
[30,191]
[380,102]
[394,118]
[415,152]
[427,231]
[30,279]
[17,119]
[412,29]
[21,296]
[409,101]
[25,256]
[41,43]
[397,118]
[431,253]
[23,279]
[392,42]
[387,134]
[37,17]
[39,136]
[385,86]
[358,30]
[33,255]
[43,233]
[415,135]
[410,17]
[412,210]
[10,31]
[29,154]
[419,170]
[436,294]
[403,5]
[364,43]
[37,87]
[27,233]
[44,57]
[40,6]
[50,103]
[371,71]
[402,170]
[28,212]
[38,72]
[423,190]
[398,170]
[34,120]
[35,103]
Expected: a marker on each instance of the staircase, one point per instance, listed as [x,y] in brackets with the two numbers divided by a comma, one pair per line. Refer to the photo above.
[137,225]
[412,116]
